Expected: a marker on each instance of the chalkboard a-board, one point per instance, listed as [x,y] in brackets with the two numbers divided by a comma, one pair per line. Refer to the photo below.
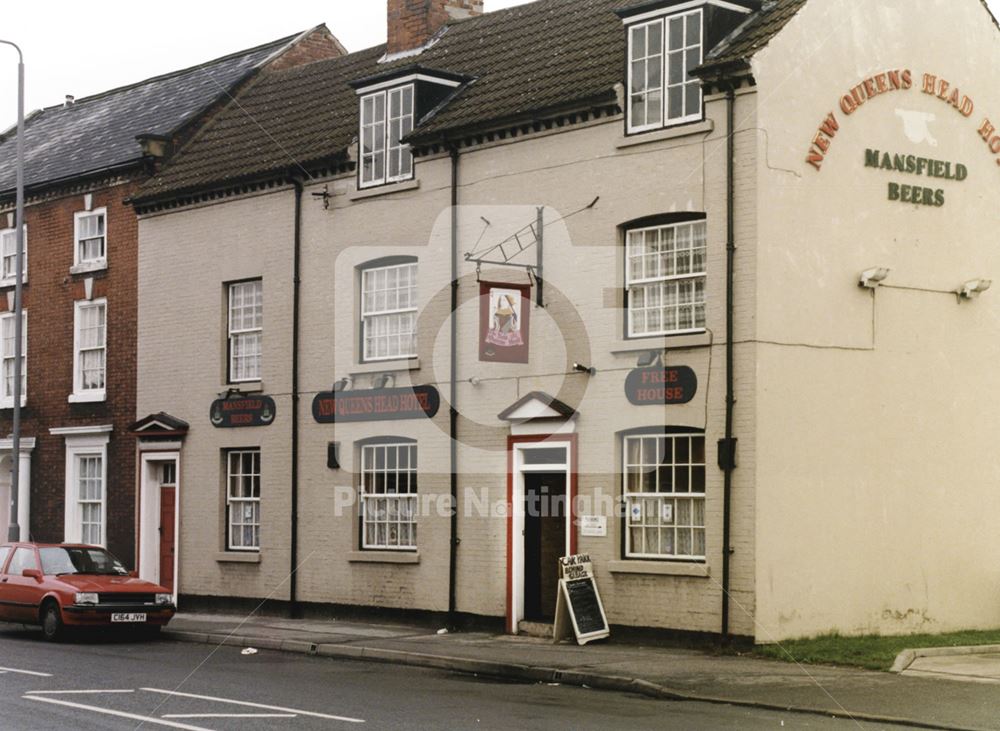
[579,599]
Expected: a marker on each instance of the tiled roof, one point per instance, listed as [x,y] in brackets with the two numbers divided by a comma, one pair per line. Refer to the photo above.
[526,61]
[98,132]
[751,36]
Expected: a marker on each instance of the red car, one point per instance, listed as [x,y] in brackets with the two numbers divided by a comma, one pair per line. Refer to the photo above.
[59,586]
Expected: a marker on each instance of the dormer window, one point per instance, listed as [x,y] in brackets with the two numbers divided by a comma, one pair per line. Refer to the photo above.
[662,54]
[386,119]
[391,105]
[667,41]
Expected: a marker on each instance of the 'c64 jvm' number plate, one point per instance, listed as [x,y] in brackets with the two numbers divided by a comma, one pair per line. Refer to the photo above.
[121,617]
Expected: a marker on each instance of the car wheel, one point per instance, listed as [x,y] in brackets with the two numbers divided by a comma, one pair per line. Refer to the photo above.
[52,624]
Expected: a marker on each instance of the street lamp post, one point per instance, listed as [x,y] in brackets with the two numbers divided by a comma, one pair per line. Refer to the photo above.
[14,533]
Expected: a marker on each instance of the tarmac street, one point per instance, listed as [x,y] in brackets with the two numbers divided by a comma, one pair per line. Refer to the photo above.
[99,683]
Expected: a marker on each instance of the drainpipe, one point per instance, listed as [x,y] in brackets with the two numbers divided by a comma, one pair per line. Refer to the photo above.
[293,602]
[728,455]
[453,391]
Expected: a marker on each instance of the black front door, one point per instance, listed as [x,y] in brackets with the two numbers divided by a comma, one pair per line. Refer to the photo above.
[544,542]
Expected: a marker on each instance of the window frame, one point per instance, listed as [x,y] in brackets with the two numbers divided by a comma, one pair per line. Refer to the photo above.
[366,451]
[9,280]
[230,500]
[7,402]
[79,447]
[364,316]
[693,497]
[230,333]
[665,85]
[631,284]
[101,262]
[387,149]
[81,394]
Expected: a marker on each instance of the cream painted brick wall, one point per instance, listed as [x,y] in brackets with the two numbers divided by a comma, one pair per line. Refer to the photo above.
[185,259]
[584,269]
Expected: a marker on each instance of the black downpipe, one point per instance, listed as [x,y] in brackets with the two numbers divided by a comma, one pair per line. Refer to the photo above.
[293,601]
[730,461]
[453,392]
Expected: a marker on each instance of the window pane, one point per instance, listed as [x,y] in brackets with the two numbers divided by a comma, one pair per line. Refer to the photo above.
[549,455]
[676,32]
[638,42]
[694,28]
[389,311]
[388,482]
[663,518]
[243,497]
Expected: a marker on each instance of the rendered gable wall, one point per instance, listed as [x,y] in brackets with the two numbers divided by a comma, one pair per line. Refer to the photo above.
[877,467]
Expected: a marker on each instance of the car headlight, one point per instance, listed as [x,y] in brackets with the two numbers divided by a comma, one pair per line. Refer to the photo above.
[85,597]
[164,598]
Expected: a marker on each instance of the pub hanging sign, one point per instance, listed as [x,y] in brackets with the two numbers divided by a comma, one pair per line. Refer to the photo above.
[504,322]
[380,404]
[661,386]
[234,413]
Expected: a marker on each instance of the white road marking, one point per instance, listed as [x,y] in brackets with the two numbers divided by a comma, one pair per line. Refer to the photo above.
[346,719]
[76,692]
[229,715]
[119,714]
[26,672]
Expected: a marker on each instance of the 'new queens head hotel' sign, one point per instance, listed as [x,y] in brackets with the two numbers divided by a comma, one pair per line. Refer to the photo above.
[901,80]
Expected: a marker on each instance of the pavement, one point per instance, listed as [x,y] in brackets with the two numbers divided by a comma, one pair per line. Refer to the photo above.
[970,664]
[911,698]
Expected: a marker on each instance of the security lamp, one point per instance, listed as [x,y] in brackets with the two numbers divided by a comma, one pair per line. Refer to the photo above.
[973,288]
[383,380]
[344,384]
[579,368]
[871,278]
[649,359]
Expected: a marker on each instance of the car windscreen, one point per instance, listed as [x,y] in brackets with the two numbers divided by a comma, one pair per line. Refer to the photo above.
[61,561]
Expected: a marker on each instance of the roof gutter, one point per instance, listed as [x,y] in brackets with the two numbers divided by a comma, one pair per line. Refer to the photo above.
[35,188]
[216,187]
[452,134]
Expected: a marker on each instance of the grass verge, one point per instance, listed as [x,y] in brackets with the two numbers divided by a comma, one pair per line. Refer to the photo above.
[873,652]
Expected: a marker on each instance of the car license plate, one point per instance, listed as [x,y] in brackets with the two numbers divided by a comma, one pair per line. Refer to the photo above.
[121,617]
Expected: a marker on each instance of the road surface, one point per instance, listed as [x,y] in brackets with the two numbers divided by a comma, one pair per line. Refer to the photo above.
[100,683]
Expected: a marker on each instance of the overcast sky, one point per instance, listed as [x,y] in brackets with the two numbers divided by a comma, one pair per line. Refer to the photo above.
[88,47]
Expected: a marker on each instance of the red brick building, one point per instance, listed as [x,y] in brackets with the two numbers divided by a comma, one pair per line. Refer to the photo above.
[84,160]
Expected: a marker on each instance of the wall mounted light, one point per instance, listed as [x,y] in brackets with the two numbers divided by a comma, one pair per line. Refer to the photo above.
[384,380]
[871,278]
[579,368]
[344,384]
[973,288]
[475,381]
[649,359]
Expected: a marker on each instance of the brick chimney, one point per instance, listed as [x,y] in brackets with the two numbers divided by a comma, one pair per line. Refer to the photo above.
[414,22]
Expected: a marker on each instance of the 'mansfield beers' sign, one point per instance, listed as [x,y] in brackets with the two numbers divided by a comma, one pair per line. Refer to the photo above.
[661,386]
[235,413]
[382,404]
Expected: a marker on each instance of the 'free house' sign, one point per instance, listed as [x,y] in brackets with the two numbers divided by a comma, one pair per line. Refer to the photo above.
[660,386]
